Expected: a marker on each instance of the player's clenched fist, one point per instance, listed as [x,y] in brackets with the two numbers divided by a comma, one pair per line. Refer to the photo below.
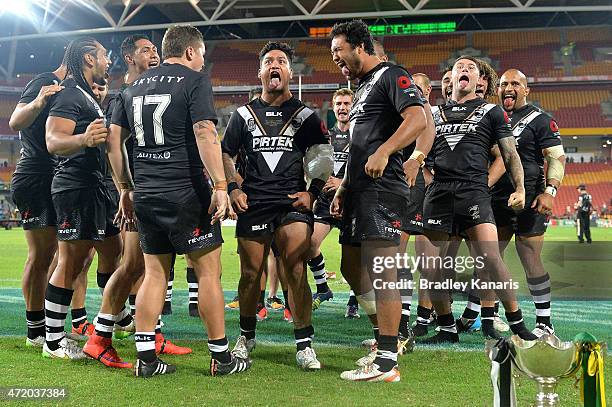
[95,133]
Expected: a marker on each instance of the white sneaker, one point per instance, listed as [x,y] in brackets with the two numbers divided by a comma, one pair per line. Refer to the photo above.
[67,350]
[543,329]
[367,359]
[370,373]
[37,342]
[500,325]
[307,359]
[243,347]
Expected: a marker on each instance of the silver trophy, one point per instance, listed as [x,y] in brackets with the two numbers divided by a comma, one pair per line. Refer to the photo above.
[545,361]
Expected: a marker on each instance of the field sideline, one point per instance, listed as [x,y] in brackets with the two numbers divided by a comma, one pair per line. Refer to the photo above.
[431,376]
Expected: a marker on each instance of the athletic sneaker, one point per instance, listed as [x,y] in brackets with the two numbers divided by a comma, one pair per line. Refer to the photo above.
[68,349]
[287,316]
[101,348]
[442,337]
[275,303]
[262,313]
[405,342]
[83,331]
[243,347]
[155,368]
[499,324]
[369,358]
[122,332]
[164,346]
[37,342]
[352,312]
[420,330]
[371,373]
[307,359]
[468,325]
[233,304]
[543,329]
[319,298]
[236,365]
[489,332]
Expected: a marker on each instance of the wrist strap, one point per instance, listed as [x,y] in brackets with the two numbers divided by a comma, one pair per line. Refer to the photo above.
[232,186]
[220,185]
[551,190]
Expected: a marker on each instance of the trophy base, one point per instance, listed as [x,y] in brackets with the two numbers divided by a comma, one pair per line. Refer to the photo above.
[547,395]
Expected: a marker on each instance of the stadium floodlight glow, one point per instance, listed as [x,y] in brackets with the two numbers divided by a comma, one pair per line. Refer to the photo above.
[19,8]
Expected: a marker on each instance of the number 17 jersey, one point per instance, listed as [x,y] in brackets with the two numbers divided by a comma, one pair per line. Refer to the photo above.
[160,108]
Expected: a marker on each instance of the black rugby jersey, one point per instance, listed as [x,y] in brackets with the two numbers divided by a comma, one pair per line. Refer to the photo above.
[86,167]
[159,108]
[382,95]
[341,141]
[129,145]
[35,159]
[274,140]
[465,133]
[534,130]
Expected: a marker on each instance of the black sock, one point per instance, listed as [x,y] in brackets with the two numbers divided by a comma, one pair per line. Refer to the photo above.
[158,327]
[132,301]
[247,326]
[517,325]
[57,302]
[472,309]
[102,279]
[286,296]
[124,318]
[36,323]
[539,288]
[404,276]
[219,349]
[386,354]
[446,323]
[145,345]
[192,283]
[352,301]
[375,332]
[303,337]
[497,307]
[423,315]
[262,297]
[79,315]
[317,267]
[487,314]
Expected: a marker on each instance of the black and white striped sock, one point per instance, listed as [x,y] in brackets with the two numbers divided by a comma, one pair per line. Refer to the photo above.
[105,324]
[403,277]
[219,349]
[57,302]
[158,326]
[79,315]
[132,302]
[386,354]
[446,323]
[472,309]
[36,323]
[317,266]
[423,315]
[303,337]
[539,288]
[124,318]
[352,301]
[145,346]
[192,283]
[169,288]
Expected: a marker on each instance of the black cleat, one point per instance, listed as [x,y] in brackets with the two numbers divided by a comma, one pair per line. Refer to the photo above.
[157,367]
[526,335]
[167,310]
[420,330]
[442,337]
[193,311]
[236,365]
[405,341]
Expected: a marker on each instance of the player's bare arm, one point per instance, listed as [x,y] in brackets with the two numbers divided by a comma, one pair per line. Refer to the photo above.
[497,168]
[62,142]
[120,170]
[415,122]
[555,157]
[512,162]
[209,148]
[423,145]
[237,196]
[26,113]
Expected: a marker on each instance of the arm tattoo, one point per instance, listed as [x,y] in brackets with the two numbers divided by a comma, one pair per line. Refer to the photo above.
[206,126]
[229,168]
[512,160]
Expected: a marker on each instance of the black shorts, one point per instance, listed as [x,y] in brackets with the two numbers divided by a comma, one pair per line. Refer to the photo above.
[321,211]
[527,222]
[414,217]
[373,215]
[262,220]
[84,214]
[454,207]
[175,222]
[32,195]
[114,197]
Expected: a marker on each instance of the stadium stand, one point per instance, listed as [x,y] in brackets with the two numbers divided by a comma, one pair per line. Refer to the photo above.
[596,176]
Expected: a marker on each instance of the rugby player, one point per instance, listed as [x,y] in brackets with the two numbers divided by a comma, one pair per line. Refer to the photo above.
[169,109]
[281,139]
[342,101]
[458,200]
[387,115]
[75,131]
[538,138]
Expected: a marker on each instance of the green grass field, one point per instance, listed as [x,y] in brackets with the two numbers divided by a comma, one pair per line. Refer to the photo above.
[431,376]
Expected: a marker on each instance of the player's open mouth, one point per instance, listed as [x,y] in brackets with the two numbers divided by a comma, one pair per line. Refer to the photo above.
[153,64]
[275,79]
[344,68]
[509,100]
[464,80]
